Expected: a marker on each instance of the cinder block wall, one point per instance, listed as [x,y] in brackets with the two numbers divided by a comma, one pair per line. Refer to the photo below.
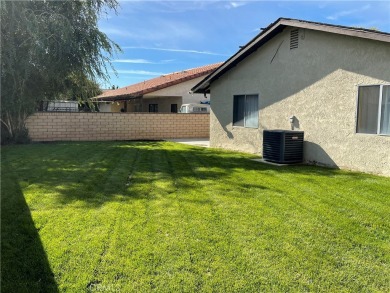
[50,126]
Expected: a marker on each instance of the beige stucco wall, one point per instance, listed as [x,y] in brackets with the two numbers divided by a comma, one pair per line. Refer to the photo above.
[114,107]
[183,90]
[56,126]
[110,107]
[317,83]
[164,103]
[105,107]
[177,94]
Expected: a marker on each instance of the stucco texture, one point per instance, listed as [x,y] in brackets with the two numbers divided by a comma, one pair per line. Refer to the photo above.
[180,90]
[317,83]
[177,94]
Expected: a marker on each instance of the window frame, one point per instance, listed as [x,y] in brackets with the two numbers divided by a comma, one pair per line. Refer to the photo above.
[378,124]
[154,107]
[245,96]
[174,108]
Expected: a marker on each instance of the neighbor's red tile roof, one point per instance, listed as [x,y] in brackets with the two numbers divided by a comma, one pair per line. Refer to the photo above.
[157,83]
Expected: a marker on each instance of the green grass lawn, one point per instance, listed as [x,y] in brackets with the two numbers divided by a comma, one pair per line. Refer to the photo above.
[164,217]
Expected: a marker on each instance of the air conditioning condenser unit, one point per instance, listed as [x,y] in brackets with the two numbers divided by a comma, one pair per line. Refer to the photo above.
[283,146]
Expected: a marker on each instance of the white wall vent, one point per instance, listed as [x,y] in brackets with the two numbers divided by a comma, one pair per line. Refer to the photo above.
[294,37]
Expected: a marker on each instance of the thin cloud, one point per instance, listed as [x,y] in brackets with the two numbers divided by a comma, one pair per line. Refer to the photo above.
[139,72]
[177,50]
[181,6]
[339,14]
[157,29]
[235,4]
[133,61]
[141,61]
[116,32]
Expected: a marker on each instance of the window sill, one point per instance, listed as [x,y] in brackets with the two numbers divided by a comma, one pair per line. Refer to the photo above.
[372,134]
[244,127]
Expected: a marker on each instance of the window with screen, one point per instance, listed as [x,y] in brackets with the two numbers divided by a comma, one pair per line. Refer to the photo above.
[153,107]
[373,113]
[245,111]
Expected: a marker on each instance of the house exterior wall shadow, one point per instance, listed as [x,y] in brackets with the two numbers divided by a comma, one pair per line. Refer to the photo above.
[317,83]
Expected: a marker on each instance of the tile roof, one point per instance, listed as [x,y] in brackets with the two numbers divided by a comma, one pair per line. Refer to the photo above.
[151,85]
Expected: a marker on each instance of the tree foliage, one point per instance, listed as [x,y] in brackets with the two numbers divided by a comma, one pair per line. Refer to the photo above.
[46,48]
[78,88]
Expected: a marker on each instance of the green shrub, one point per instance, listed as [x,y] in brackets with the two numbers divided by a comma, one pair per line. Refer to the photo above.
[20,136]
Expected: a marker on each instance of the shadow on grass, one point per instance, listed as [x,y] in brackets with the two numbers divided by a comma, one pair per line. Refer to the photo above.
[93,173]
[98,172]
[24,263]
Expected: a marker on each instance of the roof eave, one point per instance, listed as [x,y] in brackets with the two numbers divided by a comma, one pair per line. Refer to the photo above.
[338,29]
[115,98]
[152,89]
[248,49]
[271,31]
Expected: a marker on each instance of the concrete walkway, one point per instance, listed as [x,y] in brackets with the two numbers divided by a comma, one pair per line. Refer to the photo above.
[201,142]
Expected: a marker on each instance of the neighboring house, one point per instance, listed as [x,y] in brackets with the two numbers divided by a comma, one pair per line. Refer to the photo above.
[162,94]
[333,81]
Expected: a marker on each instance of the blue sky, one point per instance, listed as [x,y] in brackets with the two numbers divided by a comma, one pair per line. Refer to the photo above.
[159,37]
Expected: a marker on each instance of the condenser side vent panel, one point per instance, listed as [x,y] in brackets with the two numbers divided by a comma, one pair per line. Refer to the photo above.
[283,146]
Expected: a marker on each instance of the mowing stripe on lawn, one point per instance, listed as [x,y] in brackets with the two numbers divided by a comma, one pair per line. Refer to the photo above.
[164,217]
